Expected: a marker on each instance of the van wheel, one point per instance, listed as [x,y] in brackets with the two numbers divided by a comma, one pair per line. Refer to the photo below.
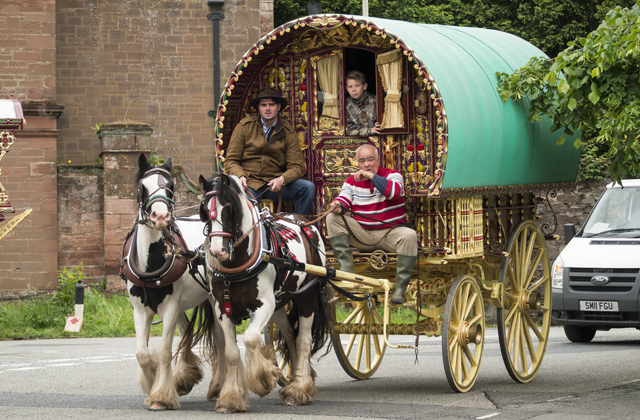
[579,334]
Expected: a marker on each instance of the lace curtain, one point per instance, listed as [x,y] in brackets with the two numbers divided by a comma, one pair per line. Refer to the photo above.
[328,80]
[390,70]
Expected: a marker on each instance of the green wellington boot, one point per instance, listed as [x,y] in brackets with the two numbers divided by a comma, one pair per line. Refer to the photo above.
[342,251]
[404,270]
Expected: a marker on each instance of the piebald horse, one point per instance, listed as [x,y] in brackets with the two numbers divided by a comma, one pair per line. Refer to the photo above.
[243,286]
[159,283]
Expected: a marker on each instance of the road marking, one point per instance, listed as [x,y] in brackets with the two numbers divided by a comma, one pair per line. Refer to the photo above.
[25,368]
[562,398]
[630,382]
[63,364]
[488,416]
[58,360]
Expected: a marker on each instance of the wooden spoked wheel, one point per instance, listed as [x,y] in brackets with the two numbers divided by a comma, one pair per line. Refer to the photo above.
[463,333]
[358,341]
[525,316]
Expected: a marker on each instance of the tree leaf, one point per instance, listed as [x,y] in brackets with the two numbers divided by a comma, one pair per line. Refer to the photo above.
[594,97]
[550,78]
[563,87]
[577,143]
[572,104]
[560,141]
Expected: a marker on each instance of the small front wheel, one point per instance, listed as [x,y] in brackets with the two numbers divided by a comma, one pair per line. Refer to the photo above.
[361,353]
[463,333]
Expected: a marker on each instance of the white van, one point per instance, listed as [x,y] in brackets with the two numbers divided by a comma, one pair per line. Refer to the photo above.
[595,278]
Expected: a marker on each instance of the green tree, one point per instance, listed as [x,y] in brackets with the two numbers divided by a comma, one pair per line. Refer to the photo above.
[548,24]
[593,87]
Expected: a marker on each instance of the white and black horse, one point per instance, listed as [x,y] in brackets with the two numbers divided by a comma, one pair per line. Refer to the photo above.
[245,287]
[158,282]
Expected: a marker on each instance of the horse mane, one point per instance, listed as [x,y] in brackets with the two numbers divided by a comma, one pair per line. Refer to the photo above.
[229,193]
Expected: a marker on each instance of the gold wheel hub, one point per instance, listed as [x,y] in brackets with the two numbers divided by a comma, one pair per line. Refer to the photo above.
[530,301]
[469,334]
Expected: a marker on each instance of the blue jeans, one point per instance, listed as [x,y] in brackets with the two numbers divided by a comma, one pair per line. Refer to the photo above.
[300,191]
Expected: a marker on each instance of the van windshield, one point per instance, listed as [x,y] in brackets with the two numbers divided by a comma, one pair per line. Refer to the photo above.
[616,214]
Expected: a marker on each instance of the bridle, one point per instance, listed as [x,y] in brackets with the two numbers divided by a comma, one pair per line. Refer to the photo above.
[163,186]
[209,215]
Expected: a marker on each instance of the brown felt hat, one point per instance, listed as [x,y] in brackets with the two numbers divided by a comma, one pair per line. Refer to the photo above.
[268,93]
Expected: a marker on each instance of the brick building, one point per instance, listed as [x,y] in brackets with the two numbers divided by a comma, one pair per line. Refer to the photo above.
[144,70]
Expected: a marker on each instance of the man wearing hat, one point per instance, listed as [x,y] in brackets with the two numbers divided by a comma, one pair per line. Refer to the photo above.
[264,153]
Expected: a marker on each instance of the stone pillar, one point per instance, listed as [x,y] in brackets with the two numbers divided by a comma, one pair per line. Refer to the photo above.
[266,17]
[122,143]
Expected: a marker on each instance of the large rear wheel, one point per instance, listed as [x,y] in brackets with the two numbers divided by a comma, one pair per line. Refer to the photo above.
[358,341]
[463,333]
[525,316]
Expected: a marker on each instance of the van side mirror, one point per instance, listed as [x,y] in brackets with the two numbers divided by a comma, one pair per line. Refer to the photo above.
[569,232]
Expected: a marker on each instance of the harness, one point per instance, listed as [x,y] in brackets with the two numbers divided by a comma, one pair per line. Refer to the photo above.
[174,266]
[270,239]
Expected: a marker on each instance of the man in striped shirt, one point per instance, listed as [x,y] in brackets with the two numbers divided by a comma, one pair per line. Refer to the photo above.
[375,197]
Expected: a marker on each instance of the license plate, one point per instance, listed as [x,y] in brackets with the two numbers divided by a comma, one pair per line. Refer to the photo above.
[598,305]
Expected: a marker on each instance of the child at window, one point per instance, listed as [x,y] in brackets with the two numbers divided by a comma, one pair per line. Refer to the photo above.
[361,107]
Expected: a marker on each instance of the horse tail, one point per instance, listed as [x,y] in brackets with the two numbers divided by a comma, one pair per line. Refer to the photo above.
[200,328]
[323,322]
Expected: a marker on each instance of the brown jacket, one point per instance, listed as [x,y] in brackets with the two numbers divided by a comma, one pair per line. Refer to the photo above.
[249,154]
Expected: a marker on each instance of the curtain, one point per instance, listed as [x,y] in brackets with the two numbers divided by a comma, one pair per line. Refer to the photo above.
[328,80]
[390,70]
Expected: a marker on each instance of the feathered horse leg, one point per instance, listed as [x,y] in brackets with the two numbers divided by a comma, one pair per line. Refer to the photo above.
[188,370]
[234,395]
[301,389]
[262,370]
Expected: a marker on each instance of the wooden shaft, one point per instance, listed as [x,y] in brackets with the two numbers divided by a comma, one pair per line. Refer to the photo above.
[340,275]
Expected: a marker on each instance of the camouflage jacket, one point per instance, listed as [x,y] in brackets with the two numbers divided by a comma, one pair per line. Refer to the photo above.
[361,115]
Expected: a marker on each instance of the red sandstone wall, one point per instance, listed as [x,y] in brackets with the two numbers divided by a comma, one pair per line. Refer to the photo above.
[148,61]
[29,253]
[28,53]
[28,171]
[81,220]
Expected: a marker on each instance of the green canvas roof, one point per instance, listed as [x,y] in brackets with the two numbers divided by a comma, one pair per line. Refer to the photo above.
[490,142]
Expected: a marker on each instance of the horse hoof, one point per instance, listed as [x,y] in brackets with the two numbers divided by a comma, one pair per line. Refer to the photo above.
[184,391]
[225,411]
[157,406]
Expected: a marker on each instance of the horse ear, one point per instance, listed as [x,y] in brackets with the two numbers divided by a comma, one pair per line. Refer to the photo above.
[142,161]
[226,179]
[168,165]
[204,213]
[203,182]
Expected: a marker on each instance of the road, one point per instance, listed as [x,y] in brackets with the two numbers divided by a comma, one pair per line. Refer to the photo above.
[96,379]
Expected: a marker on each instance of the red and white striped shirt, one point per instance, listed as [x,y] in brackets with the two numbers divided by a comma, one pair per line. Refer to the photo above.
[382,199]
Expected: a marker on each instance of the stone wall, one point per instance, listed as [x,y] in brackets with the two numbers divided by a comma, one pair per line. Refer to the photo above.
[569,206]
[28,53]
[30,251]
[151,61]
[80,219]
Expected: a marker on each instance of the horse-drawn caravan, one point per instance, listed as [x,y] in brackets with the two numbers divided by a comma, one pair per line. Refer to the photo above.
[472,165]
